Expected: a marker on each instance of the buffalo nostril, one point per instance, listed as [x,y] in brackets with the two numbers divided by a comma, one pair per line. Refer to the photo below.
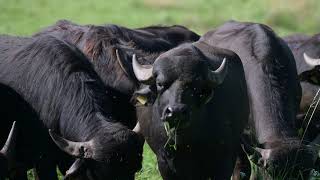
[169,112]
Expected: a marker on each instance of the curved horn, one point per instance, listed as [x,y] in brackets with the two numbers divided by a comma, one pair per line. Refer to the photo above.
[142,72]
[217,76]
[310,61]
[76,149]
[137,128]
[119,59]
[8,147]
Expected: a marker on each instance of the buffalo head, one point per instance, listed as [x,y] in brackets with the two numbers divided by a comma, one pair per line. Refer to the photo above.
[285,159]
[114,151]
[312,75]
[178,84]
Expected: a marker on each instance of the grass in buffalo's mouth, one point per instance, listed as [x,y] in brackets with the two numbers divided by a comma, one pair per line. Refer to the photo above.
[172,134]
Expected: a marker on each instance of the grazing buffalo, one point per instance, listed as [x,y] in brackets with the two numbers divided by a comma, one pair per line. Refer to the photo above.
[7,154]
[193,107]
[270,72]
[110,49]
[306,50]
[64,94]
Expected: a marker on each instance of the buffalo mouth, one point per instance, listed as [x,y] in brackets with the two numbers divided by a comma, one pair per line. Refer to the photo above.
[174,129]
[287,159]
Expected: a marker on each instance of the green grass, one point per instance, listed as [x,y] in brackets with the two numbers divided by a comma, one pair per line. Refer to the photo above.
[149,170]
[24,17]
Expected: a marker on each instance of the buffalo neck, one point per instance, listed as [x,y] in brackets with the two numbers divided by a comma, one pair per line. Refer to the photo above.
[272,111]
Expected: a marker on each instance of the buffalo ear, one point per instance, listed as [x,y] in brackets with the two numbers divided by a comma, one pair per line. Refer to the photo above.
[311,76]
[144,96]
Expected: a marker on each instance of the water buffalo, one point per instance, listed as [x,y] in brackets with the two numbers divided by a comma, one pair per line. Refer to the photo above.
[270,72]
[306,50]
[193,107]
[110,49]
[66,95]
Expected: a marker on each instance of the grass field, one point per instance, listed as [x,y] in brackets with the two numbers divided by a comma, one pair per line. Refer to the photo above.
[24,17]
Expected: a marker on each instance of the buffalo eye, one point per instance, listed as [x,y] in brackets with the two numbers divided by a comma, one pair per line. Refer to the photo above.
[205,94]
[161,87]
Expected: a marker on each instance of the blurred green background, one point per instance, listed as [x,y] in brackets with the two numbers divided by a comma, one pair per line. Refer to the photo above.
[25,17]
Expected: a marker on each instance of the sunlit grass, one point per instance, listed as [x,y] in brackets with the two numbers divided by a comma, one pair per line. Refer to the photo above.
[149,170]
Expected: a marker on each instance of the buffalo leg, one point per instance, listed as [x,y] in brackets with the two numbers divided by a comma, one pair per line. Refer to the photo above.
[165,171]
[223,170]
[242,166]
[19,174]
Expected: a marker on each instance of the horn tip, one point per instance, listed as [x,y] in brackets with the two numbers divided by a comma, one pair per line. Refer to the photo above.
[13,126]
[53,135]
[117,53]
[134,59]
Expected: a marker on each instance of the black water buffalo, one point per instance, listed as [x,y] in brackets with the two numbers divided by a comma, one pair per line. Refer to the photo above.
[306,50]
[110,49]
[66,95]
[274,93]
[7,153]
[194,106]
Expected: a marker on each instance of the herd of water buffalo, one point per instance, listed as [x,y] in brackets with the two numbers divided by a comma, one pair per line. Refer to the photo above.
[84,98]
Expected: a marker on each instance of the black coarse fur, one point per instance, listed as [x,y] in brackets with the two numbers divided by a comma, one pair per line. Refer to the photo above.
[208,134]
[175,34]
[61,86]
[3,167]
[99,44]
[309,79]
[273,88]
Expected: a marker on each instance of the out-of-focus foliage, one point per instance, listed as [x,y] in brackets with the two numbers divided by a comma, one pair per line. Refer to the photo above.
[286,16]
